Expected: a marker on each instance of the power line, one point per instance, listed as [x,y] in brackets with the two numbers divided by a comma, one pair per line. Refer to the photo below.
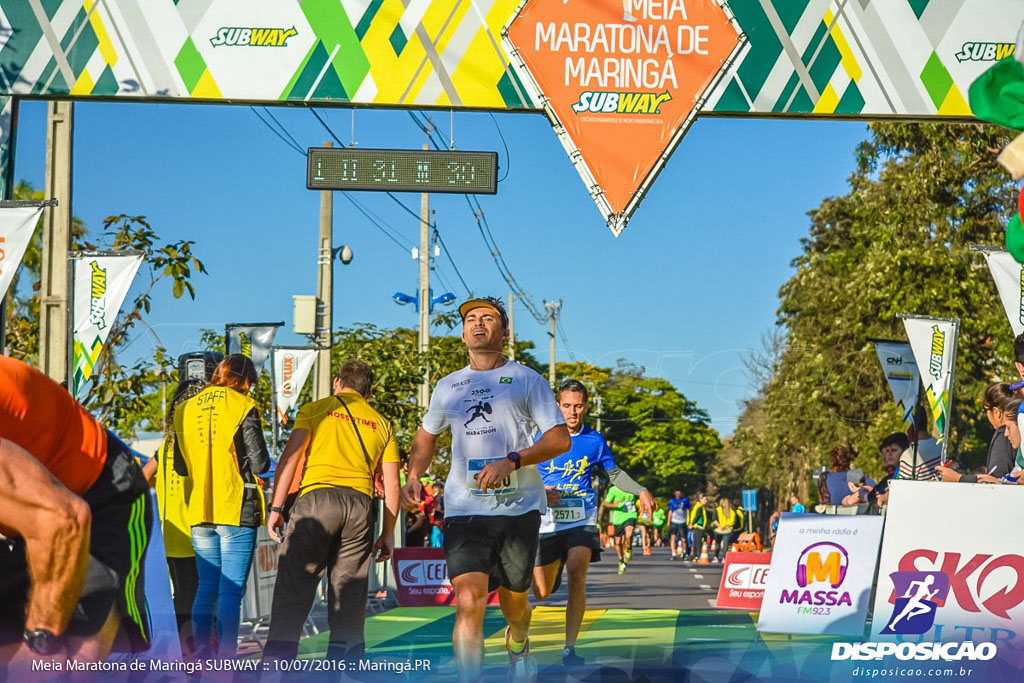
[326,127]
[283,129]
[444,248]
[372,220]
[508,157]
[273,130]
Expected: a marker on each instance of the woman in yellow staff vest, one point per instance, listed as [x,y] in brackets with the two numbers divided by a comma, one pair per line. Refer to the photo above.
[220,446]
[172,493]
[725,520]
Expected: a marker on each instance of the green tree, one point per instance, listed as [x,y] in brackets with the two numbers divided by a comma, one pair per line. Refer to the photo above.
[897,242]
[124,396]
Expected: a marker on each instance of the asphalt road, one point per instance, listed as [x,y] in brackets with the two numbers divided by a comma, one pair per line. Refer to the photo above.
[654,581]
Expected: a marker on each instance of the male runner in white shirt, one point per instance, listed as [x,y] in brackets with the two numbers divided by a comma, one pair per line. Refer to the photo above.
[494,495]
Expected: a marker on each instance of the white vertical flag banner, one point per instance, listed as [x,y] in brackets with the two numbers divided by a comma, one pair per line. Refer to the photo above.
[1009,277]
[251,339]
[933,341]
[16,227]
[101,282]
[291,370]
[901,373]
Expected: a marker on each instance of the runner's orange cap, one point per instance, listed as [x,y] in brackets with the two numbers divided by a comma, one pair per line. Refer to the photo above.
[484,302]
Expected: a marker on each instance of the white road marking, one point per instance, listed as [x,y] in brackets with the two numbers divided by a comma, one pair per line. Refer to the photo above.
[698,576]
[705,586]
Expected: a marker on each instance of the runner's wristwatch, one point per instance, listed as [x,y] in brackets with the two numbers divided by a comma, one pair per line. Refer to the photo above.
[43,642]
[514,457]
[275,508]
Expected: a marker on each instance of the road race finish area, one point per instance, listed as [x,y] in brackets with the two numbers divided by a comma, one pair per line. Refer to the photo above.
[633,644]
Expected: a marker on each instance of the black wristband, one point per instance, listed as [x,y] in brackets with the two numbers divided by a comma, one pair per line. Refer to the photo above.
[275,508]
[515,458]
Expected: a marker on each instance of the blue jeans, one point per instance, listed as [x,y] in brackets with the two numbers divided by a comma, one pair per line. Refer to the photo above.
[223,557]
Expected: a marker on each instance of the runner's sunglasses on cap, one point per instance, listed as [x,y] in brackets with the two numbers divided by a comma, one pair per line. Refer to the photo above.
[485,302]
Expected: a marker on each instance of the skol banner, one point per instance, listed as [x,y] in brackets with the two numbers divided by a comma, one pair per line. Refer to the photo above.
[16,227]
[933,341]
[901,373]
[251,339]
[1009,277]
[101,282]
[942,576]
[743,580]
[821,573]
[623,80]
[291,369]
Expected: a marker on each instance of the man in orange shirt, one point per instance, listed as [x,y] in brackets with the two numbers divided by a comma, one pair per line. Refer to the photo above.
[76,516]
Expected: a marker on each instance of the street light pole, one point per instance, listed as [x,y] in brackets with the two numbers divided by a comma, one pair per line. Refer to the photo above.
[553,309]
[424,296]
[322,385]
[511,325]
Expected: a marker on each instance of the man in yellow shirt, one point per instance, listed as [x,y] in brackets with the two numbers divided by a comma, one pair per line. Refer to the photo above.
[330,527]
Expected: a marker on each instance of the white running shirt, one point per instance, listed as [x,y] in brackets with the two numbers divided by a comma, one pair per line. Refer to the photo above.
[492,413]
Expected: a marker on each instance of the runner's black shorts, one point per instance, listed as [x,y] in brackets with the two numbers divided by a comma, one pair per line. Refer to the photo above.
[620,529]
[677,529]
[121,518]
[554,547]
[503,547]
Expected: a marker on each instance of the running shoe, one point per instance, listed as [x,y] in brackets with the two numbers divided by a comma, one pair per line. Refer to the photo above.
[622,567]
[522,668]
[570,658]
[627,555]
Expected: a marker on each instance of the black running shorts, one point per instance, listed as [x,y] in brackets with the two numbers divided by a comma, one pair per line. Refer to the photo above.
[502,547]
[555,547]
[121,518]
[620,529]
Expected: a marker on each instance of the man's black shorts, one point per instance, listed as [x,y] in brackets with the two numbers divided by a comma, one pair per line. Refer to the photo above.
[620,529]
[554,547]
[677,530]
[121,519]
[501,546]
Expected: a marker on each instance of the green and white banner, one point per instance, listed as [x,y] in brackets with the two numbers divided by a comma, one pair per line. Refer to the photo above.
[291,370]
[101,281]
[933,341]
[901,373]
[1009,277]
[16,227]
[251,339]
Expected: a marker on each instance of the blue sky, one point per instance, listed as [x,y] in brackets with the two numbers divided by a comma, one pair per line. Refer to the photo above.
[686,291]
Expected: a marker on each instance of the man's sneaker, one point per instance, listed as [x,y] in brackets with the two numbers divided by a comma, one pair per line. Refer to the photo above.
[522,668]
[622,567]
[674,557]
[627,555]
[570,658]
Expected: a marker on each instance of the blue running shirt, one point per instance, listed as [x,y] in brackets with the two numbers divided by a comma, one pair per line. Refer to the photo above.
[570,474]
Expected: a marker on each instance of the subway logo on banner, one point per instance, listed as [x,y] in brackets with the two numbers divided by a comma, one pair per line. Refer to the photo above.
[935,359]
[984,52]
[97,296]
[621,102]
[252,37]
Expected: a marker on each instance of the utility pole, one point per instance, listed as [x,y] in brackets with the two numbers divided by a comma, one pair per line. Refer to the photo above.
[511,325]
[322,385]
[598,410]
[54,316]
[424,294]
[553,309]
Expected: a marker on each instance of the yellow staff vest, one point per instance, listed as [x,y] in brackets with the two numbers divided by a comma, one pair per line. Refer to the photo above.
[205,426]
[172,493]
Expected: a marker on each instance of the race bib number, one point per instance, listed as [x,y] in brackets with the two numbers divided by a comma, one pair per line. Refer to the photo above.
[509,484]
[569,510]
[628,506]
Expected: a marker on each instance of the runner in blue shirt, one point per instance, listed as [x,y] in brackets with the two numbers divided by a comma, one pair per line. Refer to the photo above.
[678,510]
[568,531]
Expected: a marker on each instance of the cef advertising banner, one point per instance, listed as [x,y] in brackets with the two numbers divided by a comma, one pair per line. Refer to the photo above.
[821,572]
[16,227]
[624,79]
[291,369]
[1009,277]
[421,577]
[101,282]
[251,339]
[901,373]
[942,576]
[743,580]
[933,341]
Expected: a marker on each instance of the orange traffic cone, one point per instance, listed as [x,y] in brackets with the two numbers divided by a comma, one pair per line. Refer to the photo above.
[733,548]
[704,553]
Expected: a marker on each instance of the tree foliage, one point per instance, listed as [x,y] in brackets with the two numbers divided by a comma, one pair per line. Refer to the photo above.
[897,242]
[124,396]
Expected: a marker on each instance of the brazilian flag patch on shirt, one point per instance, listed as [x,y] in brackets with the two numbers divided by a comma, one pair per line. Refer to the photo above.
[505,380]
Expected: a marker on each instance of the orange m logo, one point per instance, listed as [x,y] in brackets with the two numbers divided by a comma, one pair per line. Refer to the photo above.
[827,571]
